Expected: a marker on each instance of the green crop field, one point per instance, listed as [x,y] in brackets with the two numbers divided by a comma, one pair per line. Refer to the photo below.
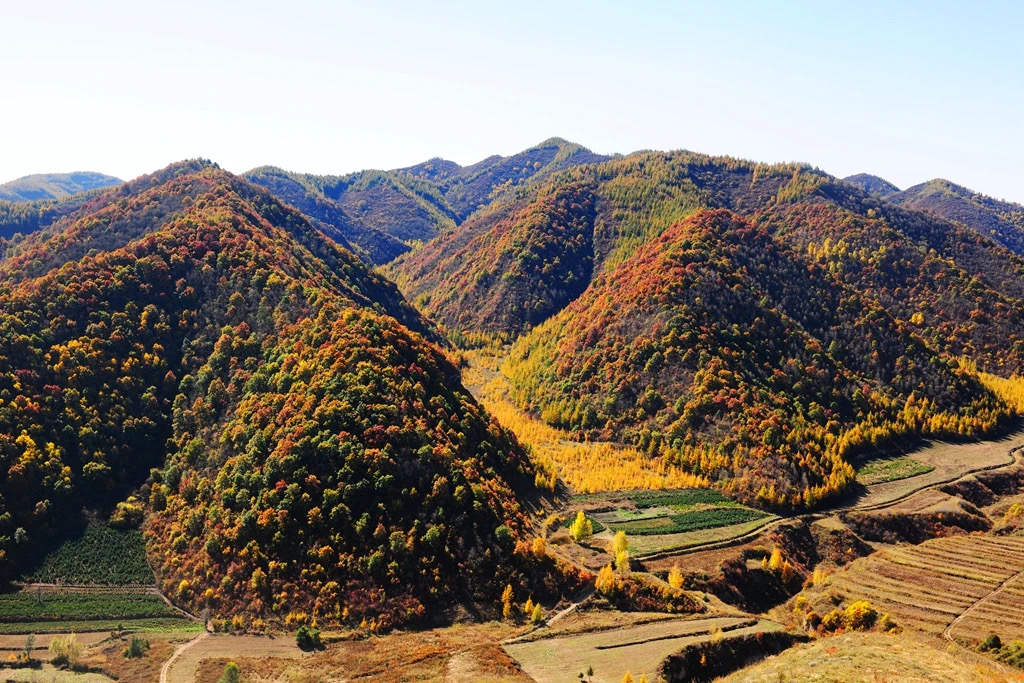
[696,520]
[100,556]
[60,606]
[56,611]
[891,469]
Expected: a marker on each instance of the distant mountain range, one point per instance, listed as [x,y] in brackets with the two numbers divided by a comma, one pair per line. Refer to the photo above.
[54,186]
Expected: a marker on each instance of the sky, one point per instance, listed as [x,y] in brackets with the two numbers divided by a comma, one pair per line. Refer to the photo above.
[908,91]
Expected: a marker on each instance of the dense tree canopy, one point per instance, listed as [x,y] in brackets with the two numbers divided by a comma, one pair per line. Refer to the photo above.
[301,440]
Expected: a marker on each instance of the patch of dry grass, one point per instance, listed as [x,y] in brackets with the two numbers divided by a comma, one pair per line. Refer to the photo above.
[871,657]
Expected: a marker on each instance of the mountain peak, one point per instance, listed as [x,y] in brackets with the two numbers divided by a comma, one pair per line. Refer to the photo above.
[872,184]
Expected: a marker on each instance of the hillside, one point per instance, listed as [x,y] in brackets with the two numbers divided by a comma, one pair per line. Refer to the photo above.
[999,220]
[742,361]
[54,186]
[504,273]
[303,193]
[872,184]
[279,408]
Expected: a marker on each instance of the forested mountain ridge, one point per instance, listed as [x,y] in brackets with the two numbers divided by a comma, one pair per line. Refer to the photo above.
[742,361]
[1002,221]
[383,212]
[45,186]
[506,272]
[270,398]
[919,291]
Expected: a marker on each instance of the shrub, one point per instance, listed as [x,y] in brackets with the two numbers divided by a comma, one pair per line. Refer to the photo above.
[991,642]
[832,621]
[308,638]
[231,674]
[859,616]
[136,647]
[66,651]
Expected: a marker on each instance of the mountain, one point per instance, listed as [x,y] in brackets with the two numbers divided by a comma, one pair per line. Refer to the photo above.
[25,217]
[741,360]
[1002,221]
[916,293]
[503,273]
[872,184]
[472,187]
[292,425]
[54,185]
[383,212]
[305,194]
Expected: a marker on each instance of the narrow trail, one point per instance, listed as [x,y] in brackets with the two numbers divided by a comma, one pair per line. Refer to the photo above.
[178,652]
[554,618]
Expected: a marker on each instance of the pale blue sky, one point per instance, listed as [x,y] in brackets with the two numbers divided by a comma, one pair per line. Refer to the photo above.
[910,90]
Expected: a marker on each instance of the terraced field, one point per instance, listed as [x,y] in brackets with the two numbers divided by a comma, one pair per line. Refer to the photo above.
[926,587]
[640,649]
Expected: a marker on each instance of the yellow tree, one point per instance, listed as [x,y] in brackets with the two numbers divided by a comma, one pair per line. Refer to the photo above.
[628,678]
[775,563]
[606,582]
[619,544]
[506,602]
[675,577]
[581,527]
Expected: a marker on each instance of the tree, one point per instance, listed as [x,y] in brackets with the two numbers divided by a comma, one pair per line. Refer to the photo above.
[231,674]
[506,602]
[606,582]
[540,547]
[775,563]
[619,544]
[30,643]
[622,561]
[537,616]
[675,577]
[627,678]
[528,607]
[581,527]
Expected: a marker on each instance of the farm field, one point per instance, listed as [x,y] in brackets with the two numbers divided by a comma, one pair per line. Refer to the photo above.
[874,657]
[101,555]
[57,611]
[639,649]
[463,653]
[216,647]
[658,521]
[891,469]
[926,587]
[950,461]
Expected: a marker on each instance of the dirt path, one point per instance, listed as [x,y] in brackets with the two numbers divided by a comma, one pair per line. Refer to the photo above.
[555,618]
[177,653]
[183,664]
